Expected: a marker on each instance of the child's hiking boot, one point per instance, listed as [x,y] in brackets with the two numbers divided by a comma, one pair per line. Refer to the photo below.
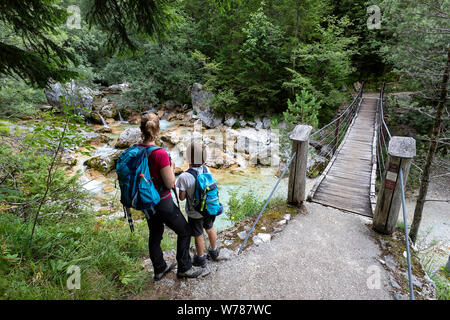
[199,261]
[213,254]
[193,272]
[159,276]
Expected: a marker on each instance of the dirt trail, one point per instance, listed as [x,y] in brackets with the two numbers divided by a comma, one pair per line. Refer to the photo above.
[323,254]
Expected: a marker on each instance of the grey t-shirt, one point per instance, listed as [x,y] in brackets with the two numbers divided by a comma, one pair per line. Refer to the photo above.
[186,182]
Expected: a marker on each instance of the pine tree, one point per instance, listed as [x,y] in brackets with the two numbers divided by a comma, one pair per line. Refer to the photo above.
[29,44]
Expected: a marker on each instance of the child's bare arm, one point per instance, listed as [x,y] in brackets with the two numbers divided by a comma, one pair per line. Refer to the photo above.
[181,194]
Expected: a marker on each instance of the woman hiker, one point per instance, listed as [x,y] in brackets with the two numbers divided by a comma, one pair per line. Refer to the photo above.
[167,213]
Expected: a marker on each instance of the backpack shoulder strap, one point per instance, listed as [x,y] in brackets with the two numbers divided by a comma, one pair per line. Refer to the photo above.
[152,148]
[193,172]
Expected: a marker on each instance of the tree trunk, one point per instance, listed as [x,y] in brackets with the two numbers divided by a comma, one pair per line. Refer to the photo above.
[431,153]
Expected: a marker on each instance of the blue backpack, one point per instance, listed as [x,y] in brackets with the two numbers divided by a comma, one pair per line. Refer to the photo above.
[206,195]
[136,186]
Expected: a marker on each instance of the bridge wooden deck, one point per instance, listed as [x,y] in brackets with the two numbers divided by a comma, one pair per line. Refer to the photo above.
[346,182]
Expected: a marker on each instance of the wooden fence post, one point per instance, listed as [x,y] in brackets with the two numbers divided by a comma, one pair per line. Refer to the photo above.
[401,152]
[297,172]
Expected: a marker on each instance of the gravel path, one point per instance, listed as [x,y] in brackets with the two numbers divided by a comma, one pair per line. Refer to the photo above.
[323,254]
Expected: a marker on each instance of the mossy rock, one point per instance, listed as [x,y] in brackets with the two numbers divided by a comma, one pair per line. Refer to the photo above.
[104,163]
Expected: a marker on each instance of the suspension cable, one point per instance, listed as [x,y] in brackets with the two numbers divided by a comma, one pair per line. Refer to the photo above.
[408,255]
[267,202]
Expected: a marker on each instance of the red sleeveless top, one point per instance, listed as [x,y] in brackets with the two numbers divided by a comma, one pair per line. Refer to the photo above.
[157,160]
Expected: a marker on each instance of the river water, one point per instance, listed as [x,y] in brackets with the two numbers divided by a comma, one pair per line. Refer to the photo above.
[259,180]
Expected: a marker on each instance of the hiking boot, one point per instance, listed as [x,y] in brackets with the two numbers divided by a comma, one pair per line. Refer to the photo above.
[193,272]
[199,261]
[213,254]
[159,276]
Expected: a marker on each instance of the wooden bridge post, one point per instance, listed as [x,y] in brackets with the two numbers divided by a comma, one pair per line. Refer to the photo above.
[297,172]
[401,152]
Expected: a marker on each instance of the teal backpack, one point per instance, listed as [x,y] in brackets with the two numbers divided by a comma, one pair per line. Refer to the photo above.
[136,186]
[206,195]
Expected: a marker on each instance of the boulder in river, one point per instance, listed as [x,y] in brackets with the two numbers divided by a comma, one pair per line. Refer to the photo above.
[109,111]
[219,159]
[72,92]
[96,138]
[104,162]
[202,108]
[128,137]
[230,120]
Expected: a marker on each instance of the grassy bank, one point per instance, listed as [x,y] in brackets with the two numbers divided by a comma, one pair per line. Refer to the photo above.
[108,254]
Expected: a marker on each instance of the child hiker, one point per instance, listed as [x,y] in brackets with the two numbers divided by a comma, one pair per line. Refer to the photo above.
[196,157]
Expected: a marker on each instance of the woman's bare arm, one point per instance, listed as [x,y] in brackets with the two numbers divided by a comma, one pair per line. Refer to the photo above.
[168,176]
[182,194]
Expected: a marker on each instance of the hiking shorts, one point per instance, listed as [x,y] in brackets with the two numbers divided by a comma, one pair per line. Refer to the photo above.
[198,225]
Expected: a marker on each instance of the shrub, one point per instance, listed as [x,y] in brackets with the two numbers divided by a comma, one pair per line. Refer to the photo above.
[243,205]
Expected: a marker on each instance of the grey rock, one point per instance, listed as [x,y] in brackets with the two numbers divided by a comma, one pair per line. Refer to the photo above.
[258,123]
[72,92]
[170,254]
[398,296]
[230,120]
[228,242]
[210,268]
[128,137]
[262,238]
[403,147]
[390,262]
[108,111]
[266,122]
[118,88]
[104,162]
[165,283]
[225,254]
[242,235]
[201,104]
[394,282]
[282,125]
[147,262]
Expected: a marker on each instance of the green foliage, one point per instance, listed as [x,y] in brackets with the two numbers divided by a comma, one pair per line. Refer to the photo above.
[244,204]
[34,52]
[419,46]
[18,99]
[304,110]
[442,281]
[164,70]
[126,19]
[323,67]
[23,177]
[108,254]
[259,78]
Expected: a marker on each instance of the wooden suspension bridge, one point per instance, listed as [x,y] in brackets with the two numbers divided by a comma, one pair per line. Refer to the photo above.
[361,151]
[346,182]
